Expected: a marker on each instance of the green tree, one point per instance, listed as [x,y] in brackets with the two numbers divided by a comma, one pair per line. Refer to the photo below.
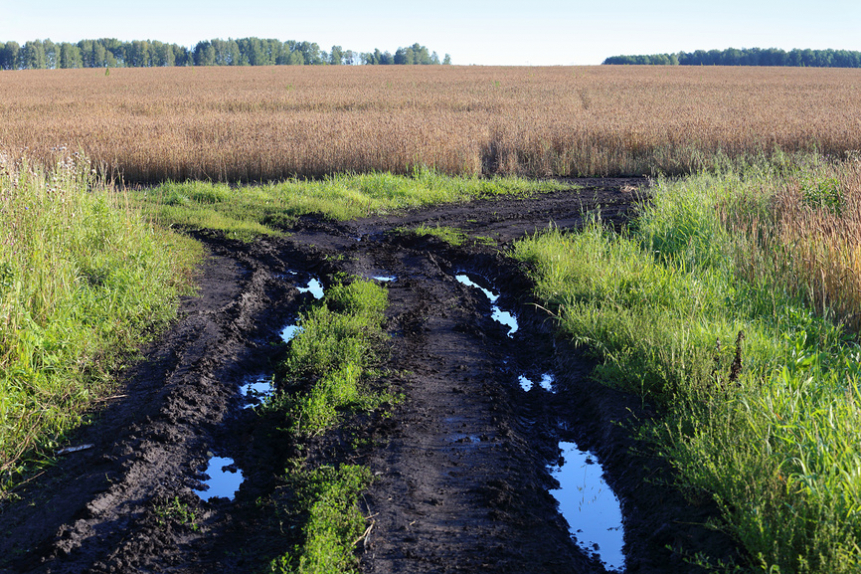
[70,56]
[33,55]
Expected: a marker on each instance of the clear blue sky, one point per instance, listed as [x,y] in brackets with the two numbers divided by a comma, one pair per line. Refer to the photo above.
[536,32]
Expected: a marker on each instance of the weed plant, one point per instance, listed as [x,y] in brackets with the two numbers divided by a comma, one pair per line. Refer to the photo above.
[247,211]
[83,279]
[719,309]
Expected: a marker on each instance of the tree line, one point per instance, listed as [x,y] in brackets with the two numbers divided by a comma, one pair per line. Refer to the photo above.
[113,53]
[747,57]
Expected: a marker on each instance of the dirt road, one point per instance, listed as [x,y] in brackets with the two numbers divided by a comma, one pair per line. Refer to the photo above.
[461,465]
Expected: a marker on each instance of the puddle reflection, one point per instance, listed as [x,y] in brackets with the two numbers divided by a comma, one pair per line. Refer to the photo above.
[314,287]
[545,383]
[222,482]
[258,389]
[289,332]
[504,318]
[589,506]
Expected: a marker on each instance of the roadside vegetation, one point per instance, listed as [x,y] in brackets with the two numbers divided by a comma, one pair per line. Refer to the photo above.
[247,211]
[731,305]
[270,123]
[83,281]
[326,377]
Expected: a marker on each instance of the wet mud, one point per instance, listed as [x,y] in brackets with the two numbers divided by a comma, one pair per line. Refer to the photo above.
[466,465]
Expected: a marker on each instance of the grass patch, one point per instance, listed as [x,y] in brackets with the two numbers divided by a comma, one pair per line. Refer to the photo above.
[83,279]
[325,377]
[247,211]
[754,367]
[451,235]
[328,361]
[329,497]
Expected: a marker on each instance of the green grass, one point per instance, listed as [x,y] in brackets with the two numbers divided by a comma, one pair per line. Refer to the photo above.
[248,211]
[328,362]
[325,377]
[329,496]
[83,279]
[451,235]
[775,439]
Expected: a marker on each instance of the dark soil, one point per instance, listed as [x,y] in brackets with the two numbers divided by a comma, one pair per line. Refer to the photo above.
[460,463]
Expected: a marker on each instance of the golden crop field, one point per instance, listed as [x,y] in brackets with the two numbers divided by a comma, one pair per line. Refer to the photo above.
[274,122]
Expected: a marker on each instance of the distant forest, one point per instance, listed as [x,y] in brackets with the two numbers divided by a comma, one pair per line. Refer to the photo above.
[747,57]
[112,53]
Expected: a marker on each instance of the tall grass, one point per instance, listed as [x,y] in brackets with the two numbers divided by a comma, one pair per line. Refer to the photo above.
[82,279]
[271,123]
[757,380]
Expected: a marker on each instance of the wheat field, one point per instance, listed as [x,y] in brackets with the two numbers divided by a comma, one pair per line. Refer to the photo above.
[265,123]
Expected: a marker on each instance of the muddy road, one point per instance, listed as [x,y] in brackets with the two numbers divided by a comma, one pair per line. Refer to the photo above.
[466,463]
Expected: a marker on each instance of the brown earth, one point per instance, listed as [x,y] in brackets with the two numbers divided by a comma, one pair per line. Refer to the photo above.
[460,464]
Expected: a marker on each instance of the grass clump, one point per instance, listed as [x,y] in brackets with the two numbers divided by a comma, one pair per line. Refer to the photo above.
[247,211]
[451,235]
[82,279]
[330,498]
[338,346]
[715,309]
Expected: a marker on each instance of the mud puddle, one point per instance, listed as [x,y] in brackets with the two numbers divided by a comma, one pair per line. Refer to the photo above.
[589,505]
[504,318]
[258,389]
[223,479]
[545,382]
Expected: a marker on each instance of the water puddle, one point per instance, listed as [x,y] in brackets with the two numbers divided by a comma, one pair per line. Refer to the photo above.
[258,389]
[223,482]
[384,278]
[589,506]
[314,287]
[545,383]
[502,317]
[289,332]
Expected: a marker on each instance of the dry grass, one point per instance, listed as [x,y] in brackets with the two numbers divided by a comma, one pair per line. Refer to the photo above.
[809,233]
[271,122]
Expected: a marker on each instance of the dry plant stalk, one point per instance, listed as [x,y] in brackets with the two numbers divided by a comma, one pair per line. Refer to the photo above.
[262,123]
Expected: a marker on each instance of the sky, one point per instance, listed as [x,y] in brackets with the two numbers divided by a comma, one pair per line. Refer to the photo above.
[500,32]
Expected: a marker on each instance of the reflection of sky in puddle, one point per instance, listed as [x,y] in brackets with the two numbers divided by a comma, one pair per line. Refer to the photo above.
[290,331]
[258,389]
[590,507]
[314,287]
[221,483]
[385,278]
[545,383]
[502,317]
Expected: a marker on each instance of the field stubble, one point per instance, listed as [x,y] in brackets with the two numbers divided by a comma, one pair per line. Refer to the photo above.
[257,124]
